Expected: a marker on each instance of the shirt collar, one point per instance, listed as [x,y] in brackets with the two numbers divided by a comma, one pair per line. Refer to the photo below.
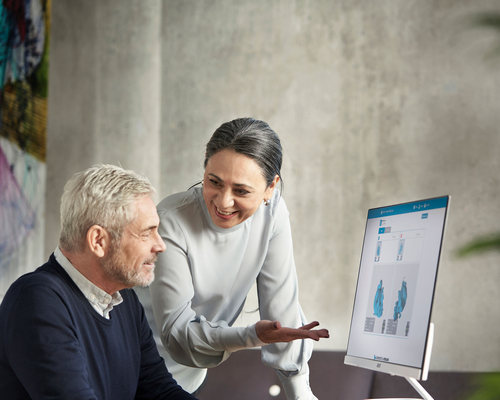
[100,300]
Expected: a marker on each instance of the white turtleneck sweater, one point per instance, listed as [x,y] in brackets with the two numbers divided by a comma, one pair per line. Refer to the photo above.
[203,278]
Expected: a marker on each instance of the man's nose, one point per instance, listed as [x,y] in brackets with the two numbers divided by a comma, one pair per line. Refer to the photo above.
[159,245]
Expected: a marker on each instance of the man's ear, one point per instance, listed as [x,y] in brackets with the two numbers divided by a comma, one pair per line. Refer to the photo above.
[98,240]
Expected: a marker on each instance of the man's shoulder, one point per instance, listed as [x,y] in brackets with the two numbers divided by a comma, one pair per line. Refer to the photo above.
[49,277]
[50,273]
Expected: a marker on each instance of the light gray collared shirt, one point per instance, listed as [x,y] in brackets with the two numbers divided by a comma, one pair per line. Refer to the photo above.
[101,301]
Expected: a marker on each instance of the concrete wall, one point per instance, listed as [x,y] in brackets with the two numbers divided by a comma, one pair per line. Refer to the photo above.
[375,102]
[104,92]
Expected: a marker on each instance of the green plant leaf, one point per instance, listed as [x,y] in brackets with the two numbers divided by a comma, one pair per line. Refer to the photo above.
[482,244]
[488,387]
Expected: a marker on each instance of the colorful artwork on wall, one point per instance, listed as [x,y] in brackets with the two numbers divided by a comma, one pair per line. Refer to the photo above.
[24,49]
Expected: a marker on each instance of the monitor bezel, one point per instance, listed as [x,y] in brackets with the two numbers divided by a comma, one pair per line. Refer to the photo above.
[407,371]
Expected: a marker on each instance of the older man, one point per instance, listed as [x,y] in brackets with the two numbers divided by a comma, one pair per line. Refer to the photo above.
[73,329]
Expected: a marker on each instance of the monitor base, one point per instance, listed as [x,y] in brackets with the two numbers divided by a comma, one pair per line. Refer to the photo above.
[417,386]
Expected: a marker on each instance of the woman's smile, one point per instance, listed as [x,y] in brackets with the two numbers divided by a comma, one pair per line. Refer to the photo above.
[224,214]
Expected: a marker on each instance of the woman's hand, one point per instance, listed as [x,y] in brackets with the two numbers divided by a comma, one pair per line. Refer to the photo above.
[273,332]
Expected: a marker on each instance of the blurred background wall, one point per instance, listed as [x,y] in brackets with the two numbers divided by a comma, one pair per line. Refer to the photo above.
[375,103]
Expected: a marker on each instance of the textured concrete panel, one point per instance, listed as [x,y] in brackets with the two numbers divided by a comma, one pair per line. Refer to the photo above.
[104,92]
[376,103]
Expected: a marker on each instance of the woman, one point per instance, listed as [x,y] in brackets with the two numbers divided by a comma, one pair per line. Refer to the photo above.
[220,238]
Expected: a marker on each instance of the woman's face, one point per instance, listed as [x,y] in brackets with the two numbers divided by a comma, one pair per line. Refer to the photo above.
[234,187]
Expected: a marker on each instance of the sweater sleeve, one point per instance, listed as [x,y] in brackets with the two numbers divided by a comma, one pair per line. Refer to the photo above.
[42,346]
[155,382]
[278,300]
[189,338]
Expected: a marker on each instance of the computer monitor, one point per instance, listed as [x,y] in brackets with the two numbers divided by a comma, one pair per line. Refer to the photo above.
[391,328]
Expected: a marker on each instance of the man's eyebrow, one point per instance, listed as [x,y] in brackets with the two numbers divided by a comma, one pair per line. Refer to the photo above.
[148,228]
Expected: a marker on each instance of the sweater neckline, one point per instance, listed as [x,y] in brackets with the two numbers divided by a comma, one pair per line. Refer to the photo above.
[81,297]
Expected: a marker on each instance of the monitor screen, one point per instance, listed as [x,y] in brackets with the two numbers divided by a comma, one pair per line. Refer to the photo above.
[395,289]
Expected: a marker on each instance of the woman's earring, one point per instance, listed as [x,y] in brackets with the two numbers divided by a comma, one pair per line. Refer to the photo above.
[267,202]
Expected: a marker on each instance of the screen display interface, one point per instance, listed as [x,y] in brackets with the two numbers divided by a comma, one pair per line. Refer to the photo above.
[396,282]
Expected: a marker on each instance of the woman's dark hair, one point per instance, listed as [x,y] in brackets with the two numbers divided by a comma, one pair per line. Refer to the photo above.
[252,138]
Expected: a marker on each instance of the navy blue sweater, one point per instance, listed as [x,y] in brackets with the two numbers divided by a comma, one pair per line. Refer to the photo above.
[53,344]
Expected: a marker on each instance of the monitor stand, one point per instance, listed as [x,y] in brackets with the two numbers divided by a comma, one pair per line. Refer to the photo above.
[412,381]
[418,387]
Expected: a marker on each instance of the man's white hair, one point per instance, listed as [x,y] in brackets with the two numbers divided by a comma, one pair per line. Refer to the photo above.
[100,195]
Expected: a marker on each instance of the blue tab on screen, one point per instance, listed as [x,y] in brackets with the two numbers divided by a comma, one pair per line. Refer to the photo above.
[415,206]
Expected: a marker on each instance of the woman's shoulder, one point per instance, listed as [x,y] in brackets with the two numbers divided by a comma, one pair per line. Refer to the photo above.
[178,200]
[181,211]
[273,215]
[277,205]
